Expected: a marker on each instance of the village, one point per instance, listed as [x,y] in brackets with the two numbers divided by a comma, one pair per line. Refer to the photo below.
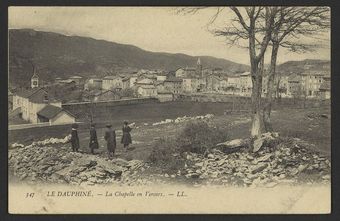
[190,99]
[42,102]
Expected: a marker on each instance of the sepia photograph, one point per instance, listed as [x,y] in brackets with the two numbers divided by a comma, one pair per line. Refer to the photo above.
[213,110]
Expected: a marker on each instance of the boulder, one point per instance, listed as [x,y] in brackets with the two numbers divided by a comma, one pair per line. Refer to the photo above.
[264,138]
[264,158]
[232,143]
[258,168]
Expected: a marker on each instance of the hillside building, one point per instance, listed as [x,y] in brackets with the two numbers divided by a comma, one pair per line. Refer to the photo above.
[325,90]
[173,85]
[34,106]
[129,81]
[112,83]
[246,84]
[77,79]
[311,82]
[93,84]
[146,91]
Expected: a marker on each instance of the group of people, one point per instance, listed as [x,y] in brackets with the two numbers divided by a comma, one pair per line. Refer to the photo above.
[110,138]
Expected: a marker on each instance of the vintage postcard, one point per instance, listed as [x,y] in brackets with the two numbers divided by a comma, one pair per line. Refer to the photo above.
[210,110]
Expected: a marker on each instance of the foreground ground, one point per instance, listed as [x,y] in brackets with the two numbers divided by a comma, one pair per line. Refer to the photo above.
[309,128]
[299,123]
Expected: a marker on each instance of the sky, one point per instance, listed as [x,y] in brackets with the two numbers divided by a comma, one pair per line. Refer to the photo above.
[158,29]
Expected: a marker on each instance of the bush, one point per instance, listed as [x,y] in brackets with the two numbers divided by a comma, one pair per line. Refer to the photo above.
[165,155]
[198,137]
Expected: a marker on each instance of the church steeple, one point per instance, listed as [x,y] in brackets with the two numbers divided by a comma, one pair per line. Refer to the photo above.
[34,79]
[199,68]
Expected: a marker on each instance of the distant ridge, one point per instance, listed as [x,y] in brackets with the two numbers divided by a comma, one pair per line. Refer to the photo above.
[56,55]
[307,65]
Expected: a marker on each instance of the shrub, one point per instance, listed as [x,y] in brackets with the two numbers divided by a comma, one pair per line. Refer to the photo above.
[199,136]
[165,155]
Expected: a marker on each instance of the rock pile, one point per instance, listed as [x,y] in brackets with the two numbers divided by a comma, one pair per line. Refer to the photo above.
[290,161]
[49,141]
[183,119]
[17,145]
[59,165]
[313,116]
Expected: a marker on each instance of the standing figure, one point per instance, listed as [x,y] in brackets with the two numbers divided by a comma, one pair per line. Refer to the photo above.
[126,138]
[93,139]
[74,138]
[110,137]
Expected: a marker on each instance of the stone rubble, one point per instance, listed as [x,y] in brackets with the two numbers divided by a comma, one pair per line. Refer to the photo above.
[290,161]
[58,165]
[276,160]
[183,119]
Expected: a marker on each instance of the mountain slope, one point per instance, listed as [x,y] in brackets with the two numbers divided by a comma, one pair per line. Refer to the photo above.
[56,55]
[305,66]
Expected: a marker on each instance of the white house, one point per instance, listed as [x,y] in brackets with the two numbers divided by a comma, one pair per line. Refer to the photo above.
[147,91]
[129,82]
[112,83]
[93,83]
[29,103]
[246,83]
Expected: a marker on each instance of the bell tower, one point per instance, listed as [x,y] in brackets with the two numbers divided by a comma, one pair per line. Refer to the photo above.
[34,80]
[199,68]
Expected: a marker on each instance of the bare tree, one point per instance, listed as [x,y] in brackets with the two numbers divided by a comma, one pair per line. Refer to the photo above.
[251,28]
[290,24]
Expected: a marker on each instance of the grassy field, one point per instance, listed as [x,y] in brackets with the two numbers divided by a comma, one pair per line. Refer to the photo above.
[288,122]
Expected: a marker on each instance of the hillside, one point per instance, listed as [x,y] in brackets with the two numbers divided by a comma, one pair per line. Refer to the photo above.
[305,66]
[57,55]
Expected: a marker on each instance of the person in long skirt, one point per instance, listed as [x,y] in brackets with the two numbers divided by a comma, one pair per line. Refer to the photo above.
[126,138]
[110,137]
[74,138]
[93,139]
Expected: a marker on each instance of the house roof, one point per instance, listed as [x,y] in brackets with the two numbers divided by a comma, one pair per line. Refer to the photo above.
[159,82]
[314,73]
[34,95]
[75,77]
[294,78]
[35,75]
[95,79]
[245,74]
[190,69]
[111,77]
[215,76]
[98,93]
[126,78]
[28,93]
[49,111]
[147,86]
[233,76]
[67,81]
[164,92]
[173,79]
[145,81]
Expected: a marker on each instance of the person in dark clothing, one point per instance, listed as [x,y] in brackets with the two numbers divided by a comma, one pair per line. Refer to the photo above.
[93,139]
[74,138]
[126,138]
[110,137]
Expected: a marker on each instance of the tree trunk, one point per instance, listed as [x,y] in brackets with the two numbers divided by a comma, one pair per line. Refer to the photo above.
[270,90]
[256,99]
